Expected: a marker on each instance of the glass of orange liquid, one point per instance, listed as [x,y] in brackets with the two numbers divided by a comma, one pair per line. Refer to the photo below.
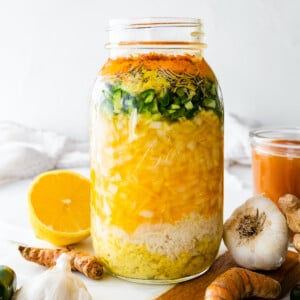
[276,161]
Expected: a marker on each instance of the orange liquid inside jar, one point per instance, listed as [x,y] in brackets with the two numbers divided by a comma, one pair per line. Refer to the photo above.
[276,162]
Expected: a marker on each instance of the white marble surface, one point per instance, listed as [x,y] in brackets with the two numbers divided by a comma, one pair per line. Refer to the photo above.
[15,229]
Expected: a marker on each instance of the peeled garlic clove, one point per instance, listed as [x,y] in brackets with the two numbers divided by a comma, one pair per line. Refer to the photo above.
[257,234]
[58,283]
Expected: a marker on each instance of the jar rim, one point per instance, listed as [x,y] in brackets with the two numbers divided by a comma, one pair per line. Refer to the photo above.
[146,22]
[278,137]
[156,33]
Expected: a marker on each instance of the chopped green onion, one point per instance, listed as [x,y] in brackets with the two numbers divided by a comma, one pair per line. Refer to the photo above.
[170,104]
[209,103]
[129,103]
[175,106]
[147,96]
[117,100]
[165,100]
[189,105]
[181,92]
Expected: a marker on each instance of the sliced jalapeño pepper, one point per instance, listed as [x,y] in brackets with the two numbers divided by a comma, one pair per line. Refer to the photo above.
[8,282]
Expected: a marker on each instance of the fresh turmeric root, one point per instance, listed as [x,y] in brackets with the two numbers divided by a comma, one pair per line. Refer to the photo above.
[239,283]
[83,262]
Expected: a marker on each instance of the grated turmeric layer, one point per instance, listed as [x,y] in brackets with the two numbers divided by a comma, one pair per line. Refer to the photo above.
[176,63]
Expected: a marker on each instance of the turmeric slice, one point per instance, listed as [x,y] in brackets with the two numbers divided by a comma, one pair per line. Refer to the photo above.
[82,262]
[239,283]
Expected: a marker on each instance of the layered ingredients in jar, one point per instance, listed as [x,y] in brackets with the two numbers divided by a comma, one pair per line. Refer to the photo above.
[156,166]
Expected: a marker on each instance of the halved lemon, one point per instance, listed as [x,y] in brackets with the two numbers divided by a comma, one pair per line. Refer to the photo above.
[59,207]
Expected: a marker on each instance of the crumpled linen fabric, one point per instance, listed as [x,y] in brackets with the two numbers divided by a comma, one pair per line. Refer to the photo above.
[237,148]
[26,152]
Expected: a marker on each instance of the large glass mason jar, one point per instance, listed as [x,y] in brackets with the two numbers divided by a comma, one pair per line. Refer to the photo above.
[156,153]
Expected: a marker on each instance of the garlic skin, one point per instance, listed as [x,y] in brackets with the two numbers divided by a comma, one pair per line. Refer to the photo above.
[257,235]
[58,283]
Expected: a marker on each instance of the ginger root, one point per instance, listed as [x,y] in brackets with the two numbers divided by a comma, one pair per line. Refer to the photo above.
[85,263]
[290,206]
[238,283]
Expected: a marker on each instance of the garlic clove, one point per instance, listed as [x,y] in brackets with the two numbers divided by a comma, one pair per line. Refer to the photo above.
[58,283]
[257,235]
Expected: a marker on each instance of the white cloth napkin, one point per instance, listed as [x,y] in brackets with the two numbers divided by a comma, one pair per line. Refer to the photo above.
[26,152]
[237,147]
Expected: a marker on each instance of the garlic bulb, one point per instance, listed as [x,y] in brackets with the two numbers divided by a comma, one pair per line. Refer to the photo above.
[58,283]
[257,235]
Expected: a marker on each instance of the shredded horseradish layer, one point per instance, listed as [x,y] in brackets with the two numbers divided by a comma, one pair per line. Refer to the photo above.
[159,251]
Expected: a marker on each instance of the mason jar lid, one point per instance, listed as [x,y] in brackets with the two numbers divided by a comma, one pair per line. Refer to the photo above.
[282,141]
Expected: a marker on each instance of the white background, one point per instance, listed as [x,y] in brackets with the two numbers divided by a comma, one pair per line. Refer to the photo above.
[51,51]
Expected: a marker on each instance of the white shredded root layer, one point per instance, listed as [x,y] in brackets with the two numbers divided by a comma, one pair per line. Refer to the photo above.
[165,239]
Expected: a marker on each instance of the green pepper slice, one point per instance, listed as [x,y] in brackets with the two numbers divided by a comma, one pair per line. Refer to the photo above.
[8,282]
